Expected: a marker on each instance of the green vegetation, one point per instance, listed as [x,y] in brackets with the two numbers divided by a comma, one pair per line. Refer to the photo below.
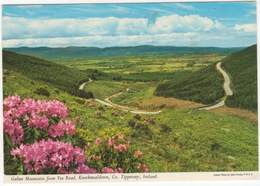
[242,67]
[56,75]
[72,52]
[203,86]
[173,141]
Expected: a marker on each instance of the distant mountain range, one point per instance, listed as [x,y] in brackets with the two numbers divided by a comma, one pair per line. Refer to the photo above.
[46,52]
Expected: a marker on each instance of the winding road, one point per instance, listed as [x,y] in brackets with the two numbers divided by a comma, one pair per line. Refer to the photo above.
[226,87]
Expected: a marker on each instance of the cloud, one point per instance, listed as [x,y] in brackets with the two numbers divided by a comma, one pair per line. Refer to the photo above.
[176,23]
[111,31]
[246,27]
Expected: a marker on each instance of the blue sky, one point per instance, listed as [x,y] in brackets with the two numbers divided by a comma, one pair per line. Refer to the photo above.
[221,24]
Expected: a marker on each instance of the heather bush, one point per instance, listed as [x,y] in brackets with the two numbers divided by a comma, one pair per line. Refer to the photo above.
[116,155]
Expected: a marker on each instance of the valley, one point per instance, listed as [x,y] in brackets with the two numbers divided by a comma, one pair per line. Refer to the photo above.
[163,87]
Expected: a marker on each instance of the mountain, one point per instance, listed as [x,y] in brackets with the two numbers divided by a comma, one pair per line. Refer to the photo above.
[205,85]
[47,53]
[59,76]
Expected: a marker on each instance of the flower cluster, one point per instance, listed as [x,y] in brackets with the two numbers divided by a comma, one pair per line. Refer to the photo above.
[143,168]
[61,128]
[120,147]
[52,154]
[110,170]
[31,113]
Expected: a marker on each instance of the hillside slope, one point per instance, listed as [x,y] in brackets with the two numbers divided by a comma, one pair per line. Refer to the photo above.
[242,67]
[59,76]
[205,85]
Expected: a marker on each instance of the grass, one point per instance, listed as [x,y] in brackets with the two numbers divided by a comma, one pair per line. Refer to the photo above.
[177,140]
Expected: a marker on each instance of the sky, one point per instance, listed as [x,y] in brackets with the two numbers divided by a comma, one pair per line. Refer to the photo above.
[204,24]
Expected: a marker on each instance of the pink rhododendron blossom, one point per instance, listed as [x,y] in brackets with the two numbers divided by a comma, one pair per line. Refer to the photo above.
[12,101]
[143,168]
[138,154]
[98,141]
[120,137]
[55,108]
[84,169]
[120,147]
[14,130]
[38,122]
[110,170]
[52,154]
[111,141]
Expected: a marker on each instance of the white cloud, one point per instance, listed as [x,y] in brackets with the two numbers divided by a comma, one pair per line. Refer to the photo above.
[246,27]
[176,23]
[111,31]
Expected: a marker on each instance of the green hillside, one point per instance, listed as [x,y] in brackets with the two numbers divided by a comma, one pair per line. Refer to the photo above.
[72,52]
[58,76]
[205,85]
[242,67]
[176,140]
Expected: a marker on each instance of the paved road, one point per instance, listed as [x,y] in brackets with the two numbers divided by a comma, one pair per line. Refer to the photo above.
[81,87]
[226,87]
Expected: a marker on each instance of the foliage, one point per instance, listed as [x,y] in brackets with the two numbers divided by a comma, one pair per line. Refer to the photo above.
[60,76]
[242,67]
[42,91]
[116,153]
[204,86]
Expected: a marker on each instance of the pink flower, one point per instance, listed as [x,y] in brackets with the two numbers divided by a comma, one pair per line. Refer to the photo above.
[77,119]
[143,168]
[110,170]
[38,122]
[111,141]
[107,170]
[52,154]
[120,137]
[96,157]
[98,141]
[61,128]
[84,169]
[138,154]
[120,147]
[12,101]
[14,130]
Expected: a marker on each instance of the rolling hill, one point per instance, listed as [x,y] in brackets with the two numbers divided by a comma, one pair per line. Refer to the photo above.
[48,72]
[205,85]
[50,53]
